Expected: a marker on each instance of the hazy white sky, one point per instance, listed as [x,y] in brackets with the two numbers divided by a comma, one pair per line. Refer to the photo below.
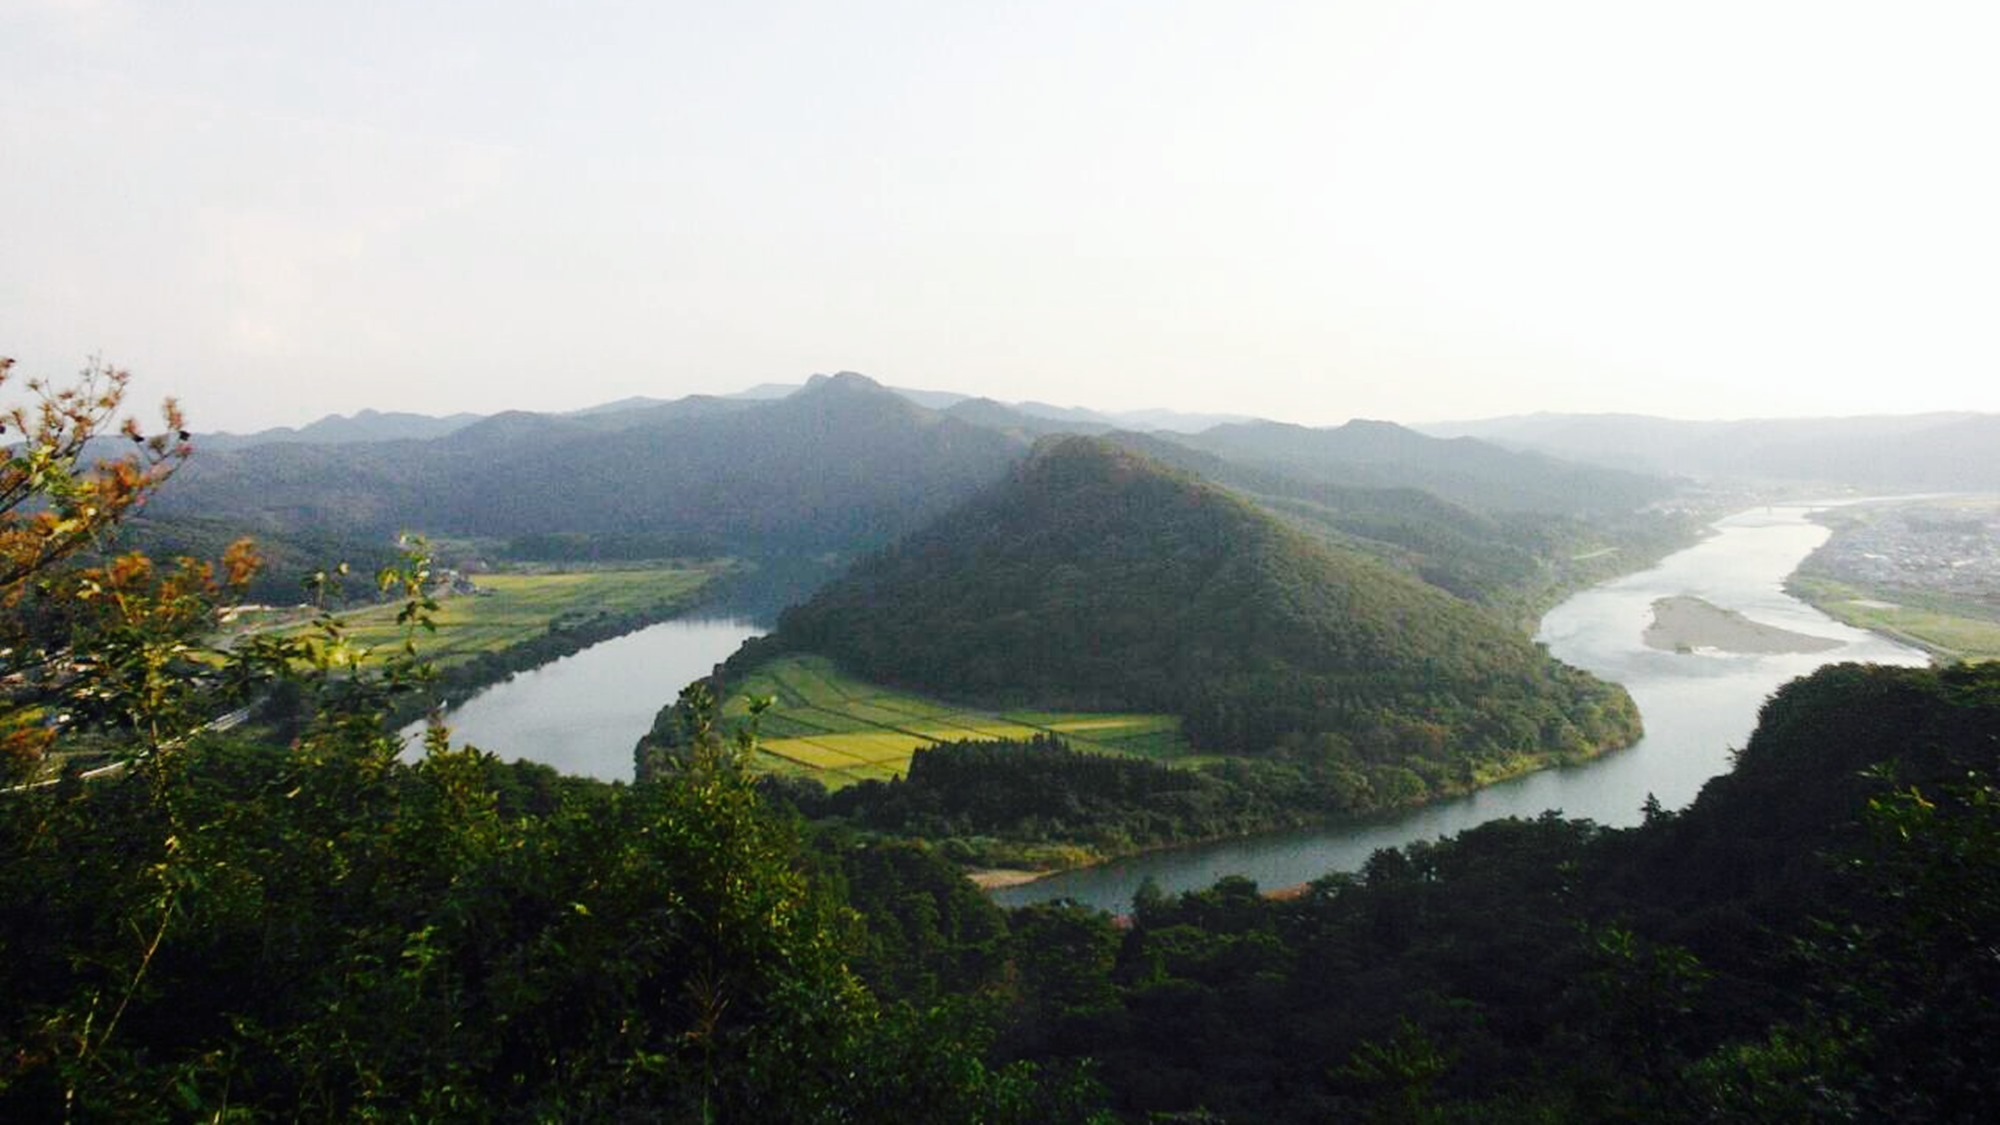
[1317,210]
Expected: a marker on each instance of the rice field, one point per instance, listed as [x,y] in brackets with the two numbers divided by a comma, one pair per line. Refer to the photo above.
[841,730]
[511,608]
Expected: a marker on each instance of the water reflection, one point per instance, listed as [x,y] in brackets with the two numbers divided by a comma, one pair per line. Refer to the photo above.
[583,713]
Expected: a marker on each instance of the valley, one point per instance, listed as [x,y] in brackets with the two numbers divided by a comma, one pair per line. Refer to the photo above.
[1408,562]
[1115,657]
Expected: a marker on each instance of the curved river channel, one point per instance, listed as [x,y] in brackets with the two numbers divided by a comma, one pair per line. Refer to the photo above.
[1697,707]
[582,714]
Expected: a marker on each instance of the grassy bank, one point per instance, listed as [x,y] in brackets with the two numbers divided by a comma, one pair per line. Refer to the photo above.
[1946,627]
[512,609]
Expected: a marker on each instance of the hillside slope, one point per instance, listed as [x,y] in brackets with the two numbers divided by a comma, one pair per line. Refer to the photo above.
[1097,579]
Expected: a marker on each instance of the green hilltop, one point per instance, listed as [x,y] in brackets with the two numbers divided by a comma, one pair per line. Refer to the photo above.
[1096,579]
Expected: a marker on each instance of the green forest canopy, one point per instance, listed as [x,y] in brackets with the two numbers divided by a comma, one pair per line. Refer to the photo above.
[1095,579]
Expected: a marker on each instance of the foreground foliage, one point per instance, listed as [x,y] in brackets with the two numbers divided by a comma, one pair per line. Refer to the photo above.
[231,926]
[1811,940]
[326,932]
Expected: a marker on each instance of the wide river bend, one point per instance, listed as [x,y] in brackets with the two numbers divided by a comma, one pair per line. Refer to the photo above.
[1698,707]
[583,713]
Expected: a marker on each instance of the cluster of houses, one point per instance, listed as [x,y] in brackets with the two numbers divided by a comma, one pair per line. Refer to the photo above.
[1949,550]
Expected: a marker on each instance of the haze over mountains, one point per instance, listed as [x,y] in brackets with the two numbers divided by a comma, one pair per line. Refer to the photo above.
[1946,451]
[373,425]
[843,465]
[802,481]
[1943,451]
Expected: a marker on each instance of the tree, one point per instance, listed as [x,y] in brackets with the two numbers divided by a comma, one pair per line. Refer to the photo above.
[60,492]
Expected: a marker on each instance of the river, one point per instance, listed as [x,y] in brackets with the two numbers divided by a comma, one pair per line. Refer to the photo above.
[583,713]
[1697,708]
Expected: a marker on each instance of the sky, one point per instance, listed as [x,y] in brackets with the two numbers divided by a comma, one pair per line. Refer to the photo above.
[1311,211]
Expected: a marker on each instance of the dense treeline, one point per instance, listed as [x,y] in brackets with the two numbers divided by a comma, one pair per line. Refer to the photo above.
[1039,802]
[290,560]
[1095,579]
[256,932]
[1811,940]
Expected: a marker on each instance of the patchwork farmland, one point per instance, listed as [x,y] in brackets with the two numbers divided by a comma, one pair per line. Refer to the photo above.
[842,730]
[515,607]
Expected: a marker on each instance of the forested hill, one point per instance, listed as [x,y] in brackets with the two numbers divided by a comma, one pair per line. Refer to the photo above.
[1484,477]
[1094,578]
[1482,558]
[843,463]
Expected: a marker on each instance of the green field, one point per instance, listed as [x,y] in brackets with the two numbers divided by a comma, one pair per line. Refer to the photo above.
[842,730]
[511,608]
[1950,628]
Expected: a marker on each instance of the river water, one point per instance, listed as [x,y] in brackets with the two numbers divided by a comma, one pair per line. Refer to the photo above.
[1697,708]
[583,713]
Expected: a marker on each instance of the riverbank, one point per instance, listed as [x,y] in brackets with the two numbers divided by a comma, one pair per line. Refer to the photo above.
[1685,623]
[565,629]
[1948,628]
[1011,869]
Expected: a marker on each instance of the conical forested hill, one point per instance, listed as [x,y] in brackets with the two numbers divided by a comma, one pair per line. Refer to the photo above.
[1095,578]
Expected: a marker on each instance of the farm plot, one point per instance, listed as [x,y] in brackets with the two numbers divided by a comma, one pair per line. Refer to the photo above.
[511,608]
[841,730]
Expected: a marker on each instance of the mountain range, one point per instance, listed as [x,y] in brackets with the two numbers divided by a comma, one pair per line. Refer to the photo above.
[375,425]
[843,465]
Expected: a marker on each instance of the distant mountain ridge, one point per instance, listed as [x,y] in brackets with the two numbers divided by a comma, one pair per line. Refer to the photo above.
[1948,451]
[1480,475]
[372,425]
[338,429]
[1922,452]
[837,466]
[844,465]
[1096,578]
